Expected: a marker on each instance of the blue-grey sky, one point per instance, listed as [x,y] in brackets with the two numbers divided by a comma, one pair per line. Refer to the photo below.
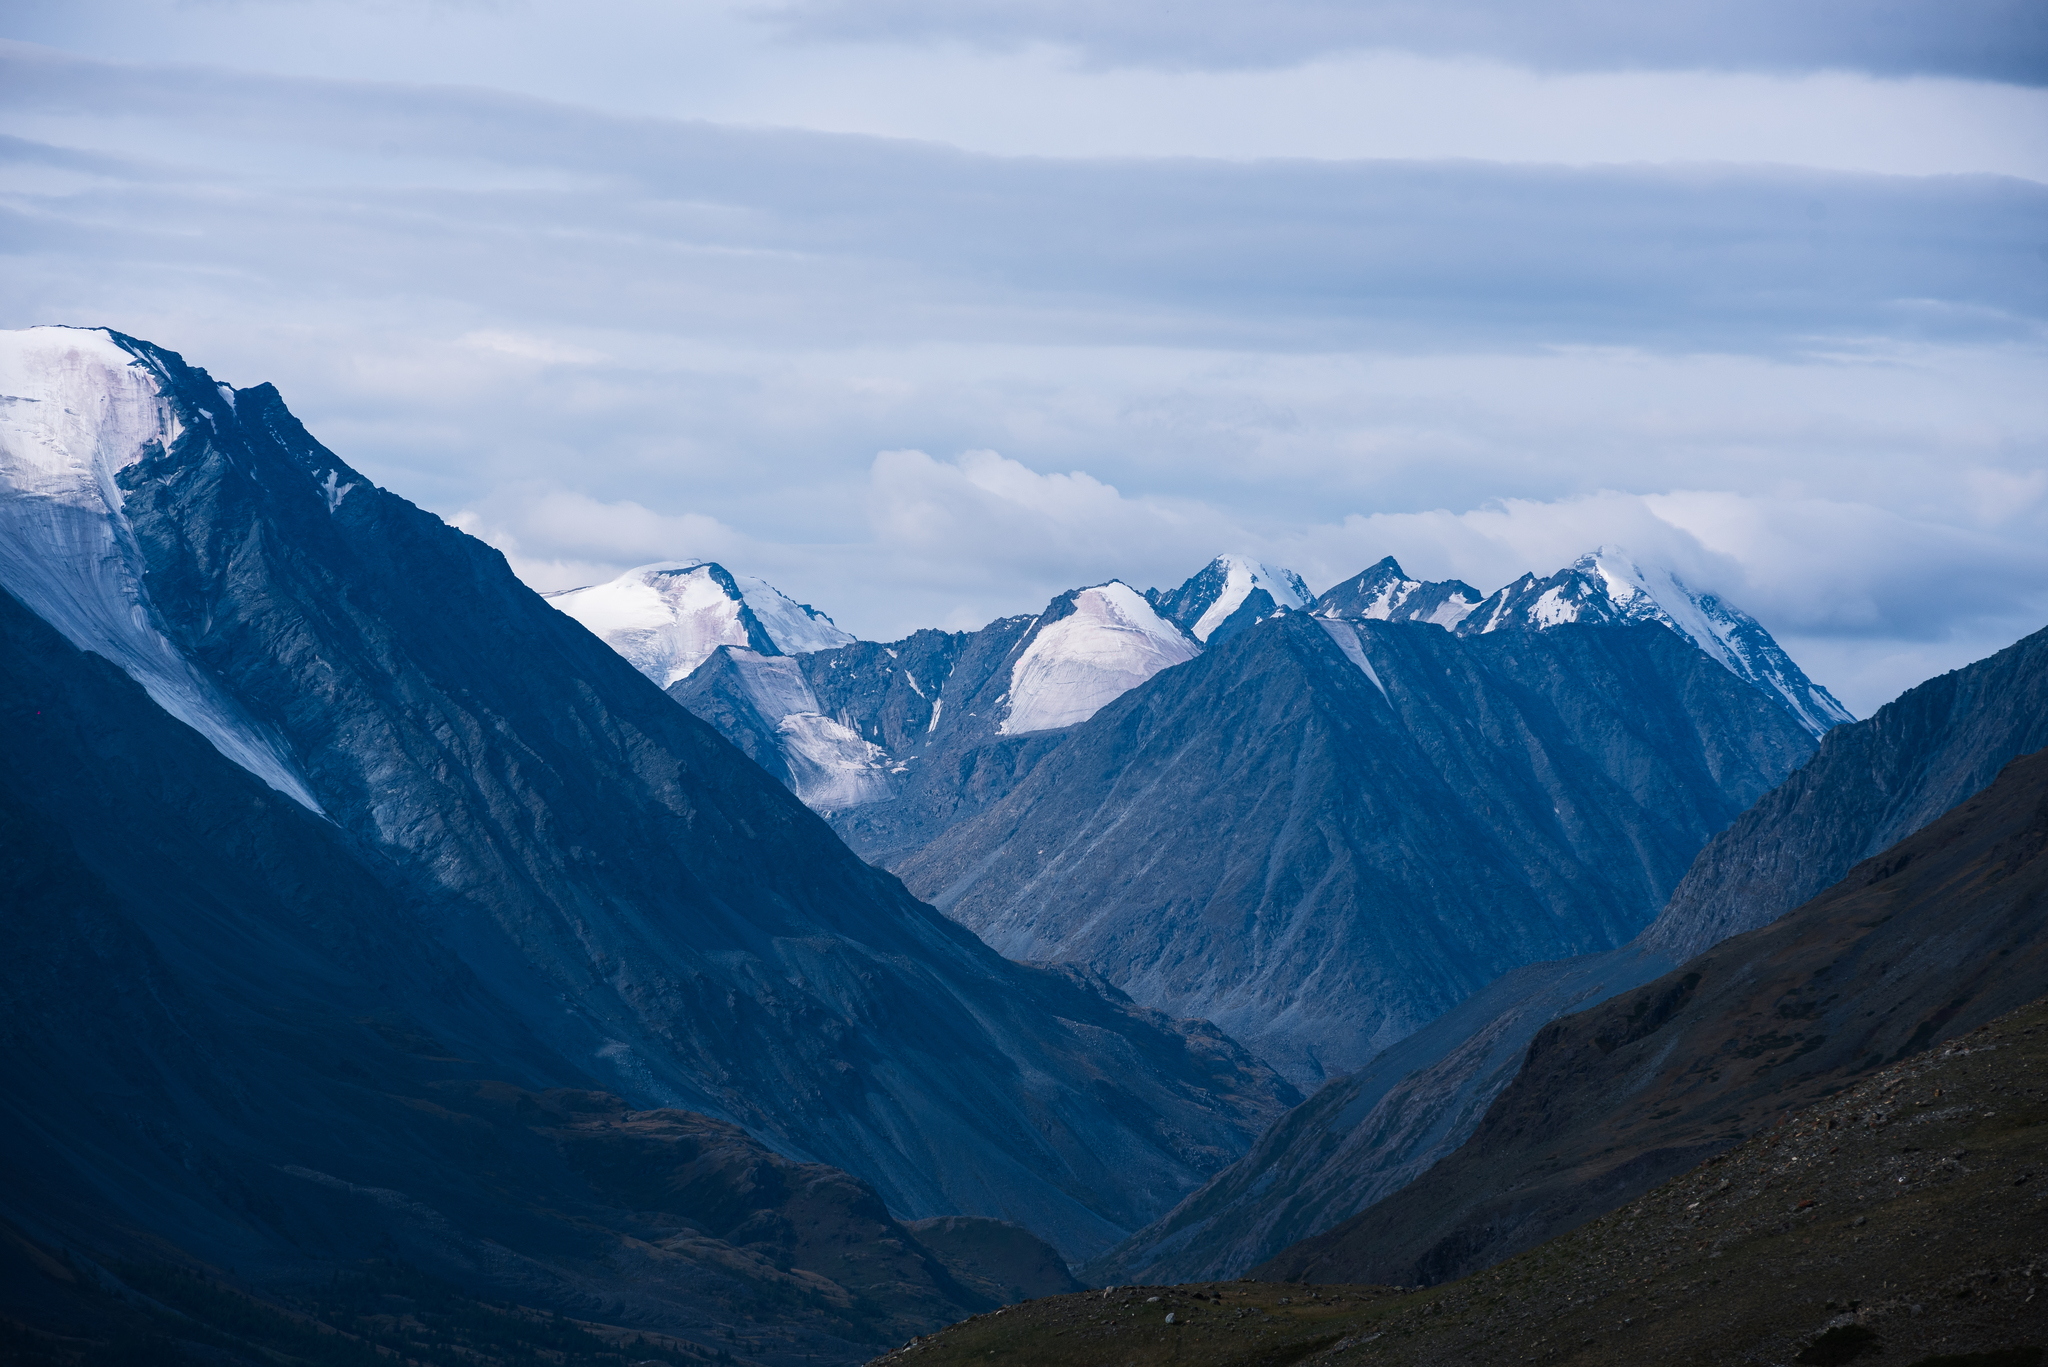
[927,311]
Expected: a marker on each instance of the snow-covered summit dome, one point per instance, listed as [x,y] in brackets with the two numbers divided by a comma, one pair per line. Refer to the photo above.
[667,618]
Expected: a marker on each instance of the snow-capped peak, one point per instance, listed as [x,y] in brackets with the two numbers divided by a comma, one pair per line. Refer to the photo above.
[1385,593]
[1731,636]
[667,618]
[77,408]
[1242,576]
[1110,642]
[1610,585]
[1228,594]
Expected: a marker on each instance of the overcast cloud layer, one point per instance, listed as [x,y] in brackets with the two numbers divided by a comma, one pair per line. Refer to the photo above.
[1998,40]
[603,321]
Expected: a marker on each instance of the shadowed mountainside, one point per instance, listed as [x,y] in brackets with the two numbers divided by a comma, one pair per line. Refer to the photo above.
[1359,1138]
[229,1042]
[1900,1221]
[1321,834]
[623,884]
[1920,944]
[1869,786]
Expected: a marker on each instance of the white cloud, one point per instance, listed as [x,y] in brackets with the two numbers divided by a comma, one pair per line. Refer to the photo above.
[1871,600]
[558,539]
[603,339]
[528,348]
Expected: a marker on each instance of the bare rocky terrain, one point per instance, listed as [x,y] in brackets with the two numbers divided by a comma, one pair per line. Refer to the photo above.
[1902,1220]
[1938,934]
[1360,1137]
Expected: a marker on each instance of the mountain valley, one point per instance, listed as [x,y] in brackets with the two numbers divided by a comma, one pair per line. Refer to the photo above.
[402,963]
[1360,1138]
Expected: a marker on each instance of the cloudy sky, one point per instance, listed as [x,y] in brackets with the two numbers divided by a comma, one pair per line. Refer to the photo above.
[928,309]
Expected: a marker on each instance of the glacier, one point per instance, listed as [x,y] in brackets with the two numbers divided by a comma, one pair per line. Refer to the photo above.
[1110,642]
[830,766]
[666,618]
[77,409]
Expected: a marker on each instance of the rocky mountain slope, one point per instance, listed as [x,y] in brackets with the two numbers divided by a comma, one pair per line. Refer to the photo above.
[1322,834]
[627,889]
[1228,595]
[1604,586]
[1897,1221]
[1361,1137]
[1920,944]
[1869,786]
[230,1041]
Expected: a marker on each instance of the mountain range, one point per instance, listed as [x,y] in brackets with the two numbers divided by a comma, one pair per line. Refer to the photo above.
[376,917]
[1318,822]
[1361,1138]
[535,870]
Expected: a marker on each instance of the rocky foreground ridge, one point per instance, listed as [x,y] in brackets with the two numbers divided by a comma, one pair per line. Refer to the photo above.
[1901,1220]
[1919,944]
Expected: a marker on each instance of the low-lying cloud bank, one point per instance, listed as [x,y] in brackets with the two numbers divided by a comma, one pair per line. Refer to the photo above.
[1874,600]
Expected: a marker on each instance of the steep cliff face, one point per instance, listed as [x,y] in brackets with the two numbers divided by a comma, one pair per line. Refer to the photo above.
[1923,942]
[643,899]
[1869,786]
[1322,834]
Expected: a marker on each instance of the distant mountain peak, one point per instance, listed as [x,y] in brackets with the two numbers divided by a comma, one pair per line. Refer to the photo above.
[83,406]
[666,618]
[1229,594]
[1107,641]
[1611,585]
[1385,593]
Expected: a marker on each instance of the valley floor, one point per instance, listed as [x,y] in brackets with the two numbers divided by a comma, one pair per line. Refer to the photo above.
[1902,1221]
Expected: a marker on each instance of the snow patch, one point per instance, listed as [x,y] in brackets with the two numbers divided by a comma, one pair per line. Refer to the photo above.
[1346,637]
[830,764]
[1554,608]
[334,491]
[1450,612]
[796,628]
[1111,642]
[78,410]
